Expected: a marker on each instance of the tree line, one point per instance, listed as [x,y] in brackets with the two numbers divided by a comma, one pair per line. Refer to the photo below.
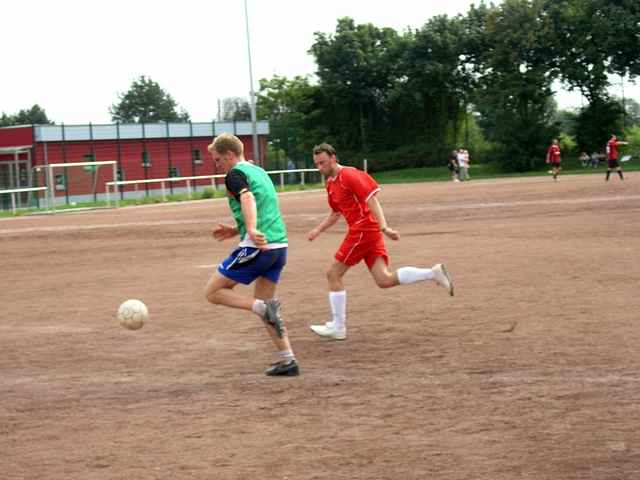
[483,80]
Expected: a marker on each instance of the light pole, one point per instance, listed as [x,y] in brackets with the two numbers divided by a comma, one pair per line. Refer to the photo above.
[254,131]
[624,107]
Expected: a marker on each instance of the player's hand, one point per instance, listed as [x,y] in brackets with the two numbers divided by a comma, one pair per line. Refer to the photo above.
[258,238]
[223,232]
[391,233]
[313,234]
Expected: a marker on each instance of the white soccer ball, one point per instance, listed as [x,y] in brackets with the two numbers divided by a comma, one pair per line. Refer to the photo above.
[132,314]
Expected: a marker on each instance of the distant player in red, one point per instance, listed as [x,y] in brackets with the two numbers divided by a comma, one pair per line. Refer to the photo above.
[553,158]
[612,155]
[352,194]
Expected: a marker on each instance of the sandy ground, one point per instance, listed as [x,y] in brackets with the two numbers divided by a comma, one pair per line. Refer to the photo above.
[530,372]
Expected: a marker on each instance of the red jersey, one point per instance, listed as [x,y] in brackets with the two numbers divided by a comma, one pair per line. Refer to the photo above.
[554,154]
[348,194]
[612,149]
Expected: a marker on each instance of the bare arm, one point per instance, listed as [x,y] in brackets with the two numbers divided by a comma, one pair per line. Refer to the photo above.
[224,231]
[376,210]
[326,223]
[250,215]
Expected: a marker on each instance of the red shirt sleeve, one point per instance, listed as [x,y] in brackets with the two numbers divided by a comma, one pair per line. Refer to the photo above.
[360,183]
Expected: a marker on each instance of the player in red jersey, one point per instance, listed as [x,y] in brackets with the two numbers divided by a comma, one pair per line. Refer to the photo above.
[352,194]
[553,158]
[612,156]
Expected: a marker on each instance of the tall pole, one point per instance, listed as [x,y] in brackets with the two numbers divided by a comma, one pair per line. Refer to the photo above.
[254,131]
[624,107]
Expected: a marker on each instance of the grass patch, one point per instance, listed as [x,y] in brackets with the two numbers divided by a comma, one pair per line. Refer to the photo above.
[486,171]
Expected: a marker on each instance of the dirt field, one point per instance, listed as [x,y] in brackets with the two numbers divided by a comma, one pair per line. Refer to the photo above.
[530,372]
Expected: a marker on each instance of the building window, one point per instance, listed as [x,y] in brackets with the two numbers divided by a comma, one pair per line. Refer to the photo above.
[195,155]
[61,183]
[174,172]
[146,159]
[120,177]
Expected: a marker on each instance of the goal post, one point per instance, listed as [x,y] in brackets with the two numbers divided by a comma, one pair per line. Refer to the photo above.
[79,182]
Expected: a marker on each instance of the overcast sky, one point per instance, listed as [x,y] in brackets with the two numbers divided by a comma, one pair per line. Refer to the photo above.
[73,57]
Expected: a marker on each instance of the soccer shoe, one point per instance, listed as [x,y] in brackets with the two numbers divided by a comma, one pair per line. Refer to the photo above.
[442,277]
[328,330]
[283,369]
[272,316]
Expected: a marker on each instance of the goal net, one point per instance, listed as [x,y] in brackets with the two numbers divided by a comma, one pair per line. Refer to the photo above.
[78,183]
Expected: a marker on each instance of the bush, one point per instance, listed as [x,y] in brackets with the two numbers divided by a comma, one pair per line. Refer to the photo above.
[208,192]
[632,135]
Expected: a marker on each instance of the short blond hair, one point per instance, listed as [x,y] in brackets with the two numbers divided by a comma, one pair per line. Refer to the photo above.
[226,142]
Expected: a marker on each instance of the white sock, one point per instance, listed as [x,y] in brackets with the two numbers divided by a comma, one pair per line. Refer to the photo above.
[259,307]
[286,356]
[408,275]
[338,302]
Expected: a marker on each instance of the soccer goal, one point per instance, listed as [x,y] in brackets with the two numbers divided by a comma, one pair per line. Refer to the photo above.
[79,183]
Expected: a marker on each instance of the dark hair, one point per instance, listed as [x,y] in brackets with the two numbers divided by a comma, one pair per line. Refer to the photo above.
[324,147]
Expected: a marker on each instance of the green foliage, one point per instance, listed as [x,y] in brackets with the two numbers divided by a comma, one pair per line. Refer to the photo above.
[596,123]
[514,96]
[235,109]
[290,106]
[568,145]
[631,109]
[208,192]
[356,68]
[481,80]
[632,135]
[146,102]
[28,116]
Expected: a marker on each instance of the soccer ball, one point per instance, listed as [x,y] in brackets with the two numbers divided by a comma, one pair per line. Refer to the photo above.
[132,314]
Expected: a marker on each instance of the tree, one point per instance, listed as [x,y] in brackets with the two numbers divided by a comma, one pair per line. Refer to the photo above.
[515,97]
[30,116]
[591,40]
[290,104]
[356,68]
[435,83]
[235,109]
[631,110]
[147,102]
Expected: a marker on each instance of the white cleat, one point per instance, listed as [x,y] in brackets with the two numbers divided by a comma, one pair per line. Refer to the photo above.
[442,277]
[329,331]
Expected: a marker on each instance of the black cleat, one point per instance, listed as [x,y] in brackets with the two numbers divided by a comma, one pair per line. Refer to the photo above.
[272,316]
[283,369]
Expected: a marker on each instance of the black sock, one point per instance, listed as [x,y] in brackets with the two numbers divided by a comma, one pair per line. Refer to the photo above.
[620,173]
[608,174]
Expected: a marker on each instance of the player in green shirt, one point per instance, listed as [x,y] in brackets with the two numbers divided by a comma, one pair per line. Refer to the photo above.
[262,252]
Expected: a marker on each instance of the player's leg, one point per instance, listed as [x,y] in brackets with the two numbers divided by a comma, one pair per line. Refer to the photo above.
[335,276]
[620,173]
[336,328]
[385,278]
[264,291]
[219,291]
[611,165]
[244,265]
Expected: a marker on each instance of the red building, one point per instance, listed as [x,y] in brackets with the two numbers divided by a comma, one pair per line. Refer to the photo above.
[142,151]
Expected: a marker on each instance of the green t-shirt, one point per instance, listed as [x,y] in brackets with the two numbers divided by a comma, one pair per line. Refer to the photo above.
[269,220]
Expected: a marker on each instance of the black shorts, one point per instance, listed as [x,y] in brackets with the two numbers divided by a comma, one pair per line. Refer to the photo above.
[613,163]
